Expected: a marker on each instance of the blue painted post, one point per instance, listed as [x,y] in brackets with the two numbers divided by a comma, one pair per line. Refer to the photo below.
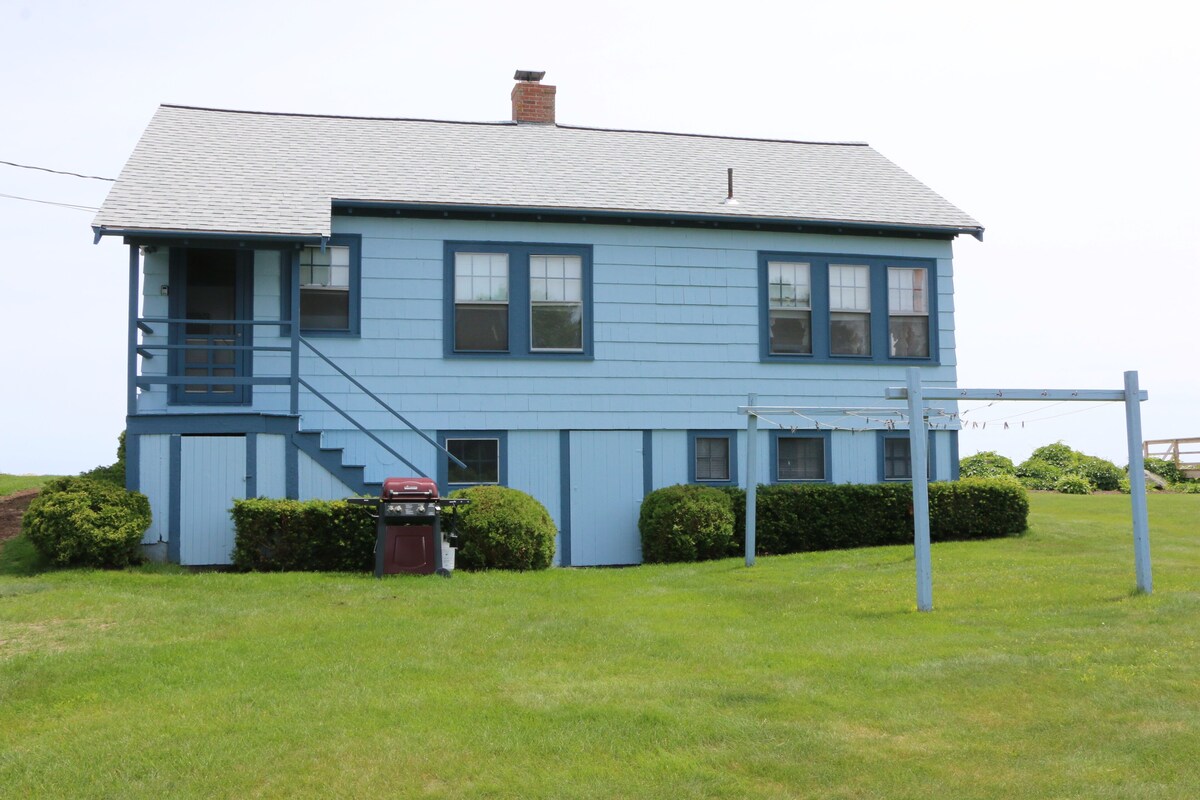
[132,364]
[294,302]
[918,458]
[751,477]
[1137,483]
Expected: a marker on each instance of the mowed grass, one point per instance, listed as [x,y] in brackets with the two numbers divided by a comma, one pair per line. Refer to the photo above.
[15,483]
[1040,674]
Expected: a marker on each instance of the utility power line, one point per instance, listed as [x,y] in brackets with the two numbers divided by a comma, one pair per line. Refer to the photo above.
[56,171]
[50,202]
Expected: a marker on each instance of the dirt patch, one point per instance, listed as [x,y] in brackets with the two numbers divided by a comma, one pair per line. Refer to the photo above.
[12,507]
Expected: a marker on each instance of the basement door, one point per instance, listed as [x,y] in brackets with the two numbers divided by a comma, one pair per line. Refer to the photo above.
[212,476]
[607,487]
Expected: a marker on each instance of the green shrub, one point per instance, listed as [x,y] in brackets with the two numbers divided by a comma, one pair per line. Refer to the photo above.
[1163,469]
[113,473]
[1057,454]
[986,465]
[1036,473]
[686,523]
[1104,476]
[1190,487]
[1073,484]
[803,517]
[311,535]
[85,522]
[503,528]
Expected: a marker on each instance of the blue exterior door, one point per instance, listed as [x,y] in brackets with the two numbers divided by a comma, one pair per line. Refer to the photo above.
[211,290]
[607,486]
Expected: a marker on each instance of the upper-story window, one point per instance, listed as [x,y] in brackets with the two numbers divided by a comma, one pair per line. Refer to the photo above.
[518,300]
[832,308]
[329,286]
[789,302]
[849,310]
[908,312]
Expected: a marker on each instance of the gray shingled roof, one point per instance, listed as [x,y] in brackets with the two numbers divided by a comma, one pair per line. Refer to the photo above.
[204,170]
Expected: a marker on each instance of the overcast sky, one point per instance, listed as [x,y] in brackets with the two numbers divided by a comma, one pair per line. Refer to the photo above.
[1068,129]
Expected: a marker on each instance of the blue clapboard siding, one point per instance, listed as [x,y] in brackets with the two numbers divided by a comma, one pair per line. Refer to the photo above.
[154,476]
[212,476]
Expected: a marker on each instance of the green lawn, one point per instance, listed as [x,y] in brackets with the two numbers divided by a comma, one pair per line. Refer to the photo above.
[15,483]
[1040,675]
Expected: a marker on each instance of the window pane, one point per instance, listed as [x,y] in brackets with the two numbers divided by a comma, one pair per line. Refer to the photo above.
[482,457]
[909,336]
[481,327]
[481,277]
[712,458]
[557,326]
[325,309]
[906,291]
[790,331]
[801,459]
[896,462]
[788,285]
[850,334]
[849,288]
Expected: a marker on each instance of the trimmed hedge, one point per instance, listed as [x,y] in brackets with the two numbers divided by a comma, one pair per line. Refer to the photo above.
[794,518]
[503,528]
[686,523]
[311,535]
[89,523]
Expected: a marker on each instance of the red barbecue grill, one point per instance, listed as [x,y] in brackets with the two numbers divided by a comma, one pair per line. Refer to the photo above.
[408,527]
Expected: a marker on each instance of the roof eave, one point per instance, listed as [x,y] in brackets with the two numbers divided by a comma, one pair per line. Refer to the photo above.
[629,216]
[134,235]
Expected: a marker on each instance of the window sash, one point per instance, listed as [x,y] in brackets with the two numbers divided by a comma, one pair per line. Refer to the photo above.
[325,288]
[800,458]
[556,303]
[480,302]
[712,458]
[482,457]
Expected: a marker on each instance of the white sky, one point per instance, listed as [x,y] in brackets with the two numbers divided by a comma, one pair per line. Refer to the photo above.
[1068,129]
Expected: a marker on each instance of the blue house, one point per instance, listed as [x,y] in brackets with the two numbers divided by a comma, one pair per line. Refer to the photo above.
[317,303]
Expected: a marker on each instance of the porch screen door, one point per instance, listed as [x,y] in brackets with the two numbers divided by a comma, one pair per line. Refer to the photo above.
[211,285]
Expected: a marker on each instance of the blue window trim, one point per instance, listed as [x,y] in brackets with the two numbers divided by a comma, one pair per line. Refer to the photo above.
[731,435]
[443,468]
[518,297]
[931,449]
[288,267]
[819,282]
[825,436]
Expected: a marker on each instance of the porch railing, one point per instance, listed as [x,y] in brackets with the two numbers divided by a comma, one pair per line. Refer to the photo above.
[293,379]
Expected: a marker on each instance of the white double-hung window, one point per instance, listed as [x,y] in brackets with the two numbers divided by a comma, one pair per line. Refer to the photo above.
[849,310]
[789,310]
[481,302]
[908,312]
[556,302]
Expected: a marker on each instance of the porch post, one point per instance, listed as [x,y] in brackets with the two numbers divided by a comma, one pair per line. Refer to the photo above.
[132,362]
[1137,483]
[294,302]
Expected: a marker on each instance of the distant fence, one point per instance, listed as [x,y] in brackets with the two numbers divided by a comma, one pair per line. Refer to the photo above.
[1183,453]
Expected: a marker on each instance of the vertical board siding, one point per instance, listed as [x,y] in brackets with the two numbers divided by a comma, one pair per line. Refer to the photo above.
[533,467]
[317,484]
[268,304]
[155,275]
[855,457]
[154,474]
[606,497]
[670,458]
[212,476]
[272,465]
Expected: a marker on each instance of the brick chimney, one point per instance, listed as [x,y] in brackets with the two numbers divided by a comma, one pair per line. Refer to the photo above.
[531,101]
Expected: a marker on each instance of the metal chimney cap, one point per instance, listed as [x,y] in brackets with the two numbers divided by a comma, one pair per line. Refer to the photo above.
[529,75]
